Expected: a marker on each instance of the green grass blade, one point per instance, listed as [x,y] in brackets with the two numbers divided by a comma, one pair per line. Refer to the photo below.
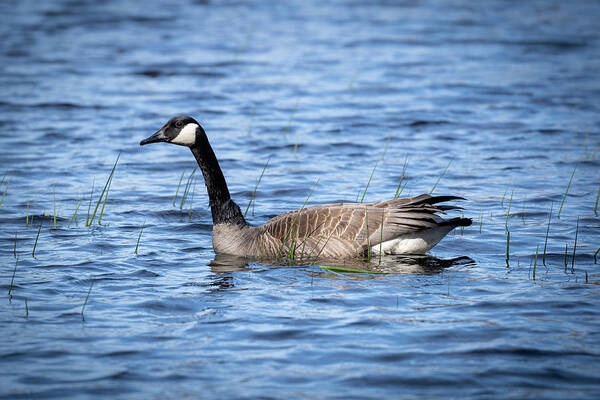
[87,219]
[566,192]
[104,191]
[187,188]
[400,188]
[508,211]
[333,268]
[596,205]
[139,237]
[37,237]
[547,232]
[368,183]
[440,177]
[86,300]
[256,188]
[178,185]
[575,246]
[535,262]
[74,217]
[12,280]
[110,179]
[507,248]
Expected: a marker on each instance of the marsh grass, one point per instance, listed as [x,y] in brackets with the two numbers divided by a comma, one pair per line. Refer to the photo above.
[253,197]
[508,211]
[192,201]
[187,188]
[74,217]
[400,188]
[178,185]
[12,280]
[53,206]
[566,255]
[86,300]
[368,182]
[507,248]
[137,245]
[27,216]
[575,246]
[596,204]
[87,218]
[103,195]
[536,258]
[5,188]
[440,177]
[547,232]
[37,237]
[504,196]
[566,192]
[15,247]
[287,128]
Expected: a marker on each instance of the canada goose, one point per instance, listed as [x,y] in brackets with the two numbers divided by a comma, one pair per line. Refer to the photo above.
[345,230]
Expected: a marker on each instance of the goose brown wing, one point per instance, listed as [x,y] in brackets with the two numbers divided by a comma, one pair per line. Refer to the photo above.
[352,227]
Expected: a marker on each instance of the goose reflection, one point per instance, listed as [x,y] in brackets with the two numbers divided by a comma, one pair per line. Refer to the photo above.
[390,264]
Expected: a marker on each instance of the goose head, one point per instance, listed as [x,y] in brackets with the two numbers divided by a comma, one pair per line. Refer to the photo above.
[181,130]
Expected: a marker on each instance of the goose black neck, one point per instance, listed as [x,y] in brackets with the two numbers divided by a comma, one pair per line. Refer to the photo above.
[224,210]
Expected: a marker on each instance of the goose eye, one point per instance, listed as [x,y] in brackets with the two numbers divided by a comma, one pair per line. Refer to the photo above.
[178,124]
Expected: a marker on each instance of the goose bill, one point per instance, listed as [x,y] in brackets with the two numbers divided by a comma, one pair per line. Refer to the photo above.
[159,136]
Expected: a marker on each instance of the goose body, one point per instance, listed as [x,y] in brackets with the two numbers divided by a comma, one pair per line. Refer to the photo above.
[343,230]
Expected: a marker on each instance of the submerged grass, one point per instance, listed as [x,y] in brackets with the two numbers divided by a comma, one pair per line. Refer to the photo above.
[333,268]
[86,300]
[256,188]
[566,192]
[440,177]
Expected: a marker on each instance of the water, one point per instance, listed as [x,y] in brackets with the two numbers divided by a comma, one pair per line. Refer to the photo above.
[506,94]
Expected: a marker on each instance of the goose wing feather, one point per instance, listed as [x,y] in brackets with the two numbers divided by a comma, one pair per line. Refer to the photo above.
[345,229]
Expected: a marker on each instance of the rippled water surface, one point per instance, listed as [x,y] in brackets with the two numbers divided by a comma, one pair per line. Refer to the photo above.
[497,102]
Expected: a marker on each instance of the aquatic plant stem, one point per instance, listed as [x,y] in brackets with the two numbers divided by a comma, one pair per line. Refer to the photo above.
[575,246]
[178,185]
[37,237]
[367,187]
[440,177]
[86,300]
[139,237]
[12,280]
[547,231]
[535,262]
[256,188]
[399,189]
[566,192]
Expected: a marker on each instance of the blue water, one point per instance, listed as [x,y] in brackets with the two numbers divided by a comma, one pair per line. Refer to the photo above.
[504,96]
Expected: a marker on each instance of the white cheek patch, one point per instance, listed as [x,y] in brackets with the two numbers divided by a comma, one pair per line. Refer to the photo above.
[187,136]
